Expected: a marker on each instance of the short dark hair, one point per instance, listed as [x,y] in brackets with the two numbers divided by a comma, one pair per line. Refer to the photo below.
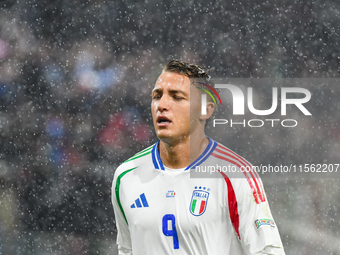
[190,70]
[197,74]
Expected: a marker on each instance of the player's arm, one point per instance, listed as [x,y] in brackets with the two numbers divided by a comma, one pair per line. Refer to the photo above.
[258,232]
[123,232]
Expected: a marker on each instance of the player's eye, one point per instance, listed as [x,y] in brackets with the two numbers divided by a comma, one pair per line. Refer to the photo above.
[157,96]
[176,97]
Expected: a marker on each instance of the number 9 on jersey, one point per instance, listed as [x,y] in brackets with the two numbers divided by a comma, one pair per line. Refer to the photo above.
[172,231]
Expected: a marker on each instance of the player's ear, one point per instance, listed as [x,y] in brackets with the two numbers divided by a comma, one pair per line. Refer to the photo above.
[209,111]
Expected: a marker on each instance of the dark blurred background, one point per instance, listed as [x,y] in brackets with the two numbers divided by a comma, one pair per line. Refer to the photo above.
[75,82]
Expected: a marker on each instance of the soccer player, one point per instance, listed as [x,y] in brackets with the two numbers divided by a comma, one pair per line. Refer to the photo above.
[160,209]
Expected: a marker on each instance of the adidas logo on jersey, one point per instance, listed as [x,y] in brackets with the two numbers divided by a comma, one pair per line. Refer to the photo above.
[140,202]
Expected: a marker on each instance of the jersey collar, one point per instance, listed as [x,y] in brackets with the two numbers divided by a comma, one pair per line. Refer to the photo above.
[156,159]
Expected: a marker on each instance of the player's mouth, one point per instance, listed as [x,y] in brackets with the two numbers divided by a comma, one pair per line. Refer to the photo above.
[163,121]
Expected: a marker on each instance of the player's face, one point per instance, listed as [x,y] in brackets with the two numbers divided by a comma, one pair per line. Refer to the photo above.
[171,107]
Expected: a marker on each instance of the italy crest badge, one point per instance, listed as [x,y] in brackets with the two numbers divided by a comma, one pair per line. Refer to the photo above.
[199,201]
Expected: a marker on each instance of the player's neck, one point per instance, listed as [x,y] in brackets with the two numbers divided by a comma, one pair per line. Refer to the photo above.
[181,154]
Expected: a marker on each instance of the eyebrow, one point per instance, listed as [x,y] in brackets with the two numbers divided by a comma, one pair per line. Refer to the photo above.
[171,91]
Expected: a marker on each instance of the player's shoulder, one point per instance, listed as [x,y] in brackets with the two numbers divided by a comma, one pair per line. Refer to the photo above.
[137,160]
[227,156]
[240,172]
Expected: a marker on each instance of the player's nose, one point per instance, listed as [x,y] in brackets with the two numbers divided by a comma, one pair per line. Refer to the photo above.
[163,103]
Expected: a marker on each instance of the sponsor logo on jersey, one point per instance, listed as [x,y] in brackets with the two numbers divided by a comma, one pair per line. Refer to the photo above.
[170,193]
[264,222]
[140,202]
[199,201]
